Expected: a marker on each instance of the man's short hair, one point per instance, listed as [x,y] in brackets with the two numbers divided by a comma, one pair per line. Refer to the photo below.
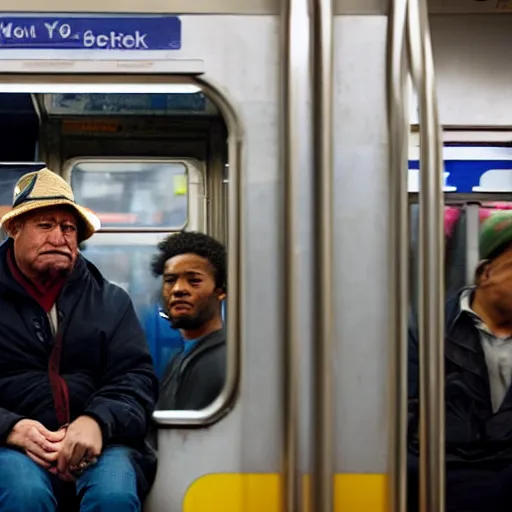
[192,242]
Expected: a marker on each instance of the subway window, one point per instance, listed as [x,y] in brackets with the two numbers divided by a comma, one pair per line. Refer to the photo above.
[151,166]
[133,194]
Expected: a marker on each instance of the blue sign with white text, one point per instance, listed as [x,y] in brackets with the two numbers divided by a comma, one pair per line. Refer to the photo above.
[90,33]
[466,174]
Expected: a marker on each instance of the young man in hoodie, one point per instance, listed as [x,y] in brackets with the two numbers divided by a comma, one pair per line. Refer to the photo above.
[193,270]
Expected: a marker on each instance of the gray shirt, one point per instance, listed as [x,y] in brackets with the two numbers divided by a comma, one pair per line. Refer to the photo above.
[497,351]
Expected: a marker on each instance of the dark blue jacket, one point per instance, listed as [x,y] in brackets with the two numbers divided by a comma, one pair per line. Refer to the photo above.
[105,360]
[474,433]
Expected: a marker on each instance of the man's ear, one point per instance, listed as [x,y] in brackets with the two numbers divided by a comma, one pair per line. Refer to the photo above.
[482,271]
[221,294]
[13,228]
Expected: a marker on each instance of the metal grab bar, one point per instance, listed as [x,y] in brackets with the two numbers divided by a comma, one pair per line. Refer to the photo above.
[399,261]
[296,45]
[322,424]
[431,296]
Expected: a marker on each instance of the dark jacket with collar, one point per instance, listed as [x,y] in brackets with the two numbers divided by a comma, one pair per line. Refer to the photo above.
[105,360]
[193,380]
[474,433]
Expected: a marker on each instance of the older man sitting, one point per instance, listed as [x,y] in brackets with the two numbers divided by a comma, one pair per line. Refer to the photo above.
[77,386]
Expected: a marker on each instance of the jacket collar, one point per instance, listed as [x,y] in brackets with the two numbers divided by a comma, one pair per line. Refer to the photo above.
[206,343]
[463,348]
[183,360]
[454,312]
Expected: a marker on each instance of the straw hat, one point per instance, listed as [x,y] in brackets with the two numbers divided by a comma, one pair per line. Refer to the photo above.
[42,189]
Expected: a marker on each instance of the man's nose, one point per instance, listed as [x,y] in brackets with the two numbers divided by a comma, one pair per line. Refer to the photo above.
[56,236]
[180,288]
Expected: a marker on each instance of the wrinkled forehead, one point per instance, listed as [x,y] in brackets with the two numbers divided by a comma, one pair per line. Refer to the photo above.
[52,214]
[189,263]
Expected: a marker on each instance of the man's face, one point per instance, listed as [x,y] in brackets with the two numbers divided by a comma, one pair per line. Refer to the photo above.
[189,295]
[46,243]
[496,280]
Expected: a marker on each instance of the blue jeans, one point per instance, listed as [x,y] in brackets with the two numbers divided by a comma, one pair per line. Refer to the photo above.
[109,485]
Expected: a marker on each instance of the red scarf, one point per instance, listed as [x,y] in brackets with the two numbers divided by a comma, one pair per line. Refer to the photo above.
[47,297]
[44,296]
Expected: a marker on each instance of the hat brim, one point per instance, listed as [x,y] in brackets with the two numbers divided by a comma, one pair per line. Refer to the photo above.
[91,223]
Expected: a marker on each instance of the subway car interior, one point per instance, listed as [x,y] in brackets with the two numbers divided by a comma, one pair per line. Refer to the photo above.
[234,132]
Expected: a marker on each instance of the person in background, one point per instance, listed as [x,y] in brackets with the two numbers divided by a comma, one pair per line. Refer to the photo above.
[478,373]
[193,270]
[77,386]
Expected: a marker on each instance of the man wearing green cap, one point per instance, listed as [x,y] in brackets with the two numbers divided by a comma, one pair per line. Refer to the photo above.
[478,372]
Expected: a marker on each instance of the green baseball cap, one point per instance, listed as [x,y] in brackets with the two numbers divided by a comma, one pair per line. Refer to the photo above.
[495,234]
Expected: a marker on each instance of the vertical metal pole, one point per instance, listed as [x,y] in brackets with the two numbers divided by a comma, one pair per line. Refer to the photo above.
[322,478]
[472,237]
[399,299]
[431,306]
[295,95]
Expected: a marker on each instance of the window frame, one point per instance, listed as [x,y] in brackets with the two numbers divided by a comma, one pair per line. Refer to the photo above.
[94,76]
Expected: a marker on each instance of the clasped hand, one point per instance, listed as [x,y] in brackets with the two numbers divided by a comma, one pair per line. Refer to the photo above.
[62,452]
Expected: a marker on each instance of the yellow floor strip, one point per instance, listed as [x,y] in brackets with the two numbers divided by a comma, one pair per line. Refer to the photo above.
[262,493]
